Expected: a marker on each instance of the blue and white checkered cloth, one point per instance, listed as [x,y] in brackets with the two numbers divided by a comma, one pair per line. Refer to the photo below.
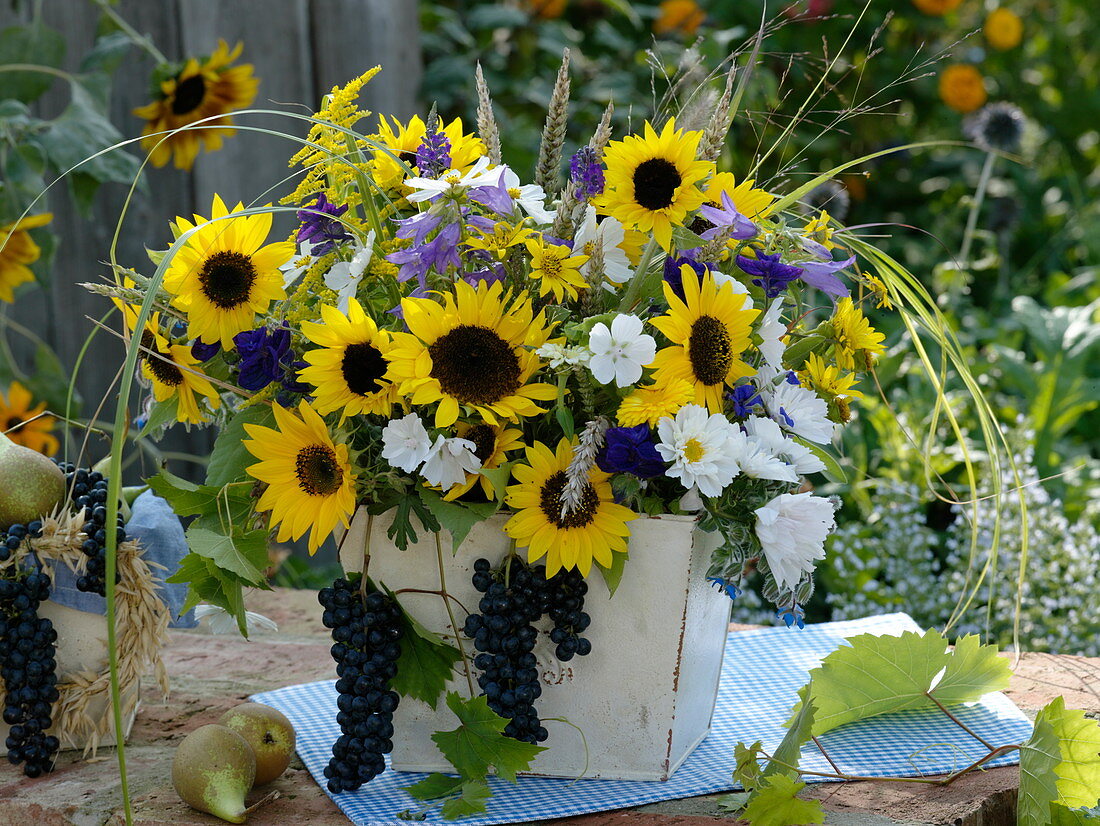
[761,675]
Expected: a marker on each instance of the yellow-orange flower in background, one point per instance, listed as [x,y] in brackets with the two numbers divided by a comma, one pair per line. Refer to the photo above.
[937,8]
[16,423]
[17,249]
[547,9]
[682,16]
[962,87]
[201,89]
[1003,29]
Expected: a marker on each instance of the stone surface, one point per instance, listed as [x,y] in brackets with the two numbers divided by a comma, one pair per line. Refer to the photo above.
[211,674]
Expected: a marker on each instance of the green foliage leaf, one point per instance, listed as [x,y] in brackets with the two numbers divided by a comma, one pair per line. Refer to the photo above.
[834,471]
[107,53]
[208,583]
[401,530]
[1061,816]
[456,518]
[1078,769]
[1038,783]
[470,802]
[733,803]
[230,457]
[479,744]
[242,554]
[426,663]
[776,803]
[565,421]
[746,771]
[799,732]
[434,786]
[614,575]
[35,44]
[881,674]
[162,414]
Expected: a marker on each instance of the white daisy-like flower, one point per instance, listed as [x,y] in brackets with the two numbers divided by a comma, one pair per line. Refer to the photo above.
[559,355]
[620,353]
[448,462]
[530,197]
[771,330]
[405,442]
[792,529]
[771,435]
[344,276]
[214,619]
[699,448]
[292,270]
[427,188]
[795,408]
[755,459]
[738,286]
[605,235]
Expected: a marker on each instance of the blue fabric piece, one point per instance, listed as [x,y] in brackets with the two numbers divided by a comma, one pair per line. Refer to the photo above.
[158,529]
[761,675]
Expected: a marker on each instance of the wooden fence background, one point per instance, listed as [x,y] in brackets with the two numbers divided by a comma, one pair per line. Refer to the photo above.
[300,49]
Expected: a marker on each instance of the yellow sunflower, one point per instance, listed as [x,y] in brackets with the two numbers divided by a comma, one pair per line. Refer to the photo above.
[750,202]
[224,275]
[310,484]
[403,140]
[349,368]
[855,340]
[17,249]
[1003,29]
[651,181]
[648,405]
[474,351]
[201,89]
[491,444]
[556,269]
[709,330]
[16,415]
[173,371]
[683,16]
[592,532]
[962,87]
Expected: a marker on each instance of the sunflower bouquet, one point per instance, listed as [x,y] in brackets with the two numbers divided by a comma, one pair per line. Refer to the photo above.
[439,341]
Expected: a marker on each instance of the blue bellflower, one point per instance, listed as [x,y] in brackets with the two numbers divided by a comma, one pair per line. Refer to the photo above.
[744,397]
[675,277]
[320,227]
[727,216]
[630,450]
[205,352]
[772,275]
[725,586]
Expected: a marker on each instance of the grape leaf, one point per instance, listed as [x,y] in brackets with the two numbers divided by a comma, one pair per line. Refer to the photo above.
[1038,782]
[230,457]
[206,582]
[434,786]
[478,743]
[231,505]
[1078,769]
[1061,816]
[426,663]
[470,802]
[799,730]
[733,803]
[879,674]
[746,772]
[776,803]
[243,554]
[457,519]
[614,575]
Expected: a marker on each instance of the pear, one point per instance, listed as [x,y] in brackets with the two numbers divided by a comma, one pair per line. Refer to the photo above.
[213,770]
[269,733]
[33,485]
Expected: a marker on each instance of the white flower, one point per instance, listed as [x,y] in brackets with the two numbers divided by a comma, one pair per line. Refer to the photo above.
[559,355]
[216,620]
[721,279]
[755,459]
[621,352]
[771,435]
[448,462]
[797,409]
[606,235]
[405,443]
[792,529]
[530,197]
[771,330]
[292,270]
[427,188]
[344,276]
[698,446]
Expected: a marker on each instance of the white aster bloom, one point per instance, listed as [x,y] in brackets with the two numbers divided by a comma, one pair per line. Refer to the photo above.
[755,459]
[771,330]
[560,356]
[292,270]
[621,352]
[698,447]
[427,188]
[605,235]
[405,442]
[530,197]
[344,276]
[771,435]
[448,462]
[798,410]
[792,529]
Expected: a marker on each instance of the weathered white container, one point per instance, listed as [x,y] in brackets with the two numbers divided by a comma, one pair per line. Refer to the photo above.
[643,698]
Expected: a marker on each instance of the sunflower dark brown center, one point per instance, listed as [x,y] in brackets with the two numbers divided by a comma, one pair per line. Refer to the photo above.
[318,472]
[13,423]
[655,183]
[550,503]
[165,371]
[710,350]
[226,279]
[189,94]
[484,439]
[363,366]
[474,365]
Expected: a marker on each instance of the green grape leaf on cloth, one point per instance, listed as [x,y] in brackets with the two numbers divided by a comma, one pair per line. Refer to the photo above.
[880,674]
[479,744]
[470,802]
[426,663]
[1038,787]
[776,803]
[746,772]
[1059,767]
[799,732]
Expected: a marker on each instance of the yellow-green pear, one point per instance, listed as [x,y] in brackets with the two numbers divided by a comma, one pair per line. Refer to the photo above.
[213,770]
[270,734]
[33,485]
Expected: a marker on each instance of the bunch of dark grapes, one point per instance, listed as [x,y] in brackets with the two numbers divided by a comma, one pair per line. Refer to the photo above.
[515,597]
[366,633]
[88,490]
[567,590]
[27,664]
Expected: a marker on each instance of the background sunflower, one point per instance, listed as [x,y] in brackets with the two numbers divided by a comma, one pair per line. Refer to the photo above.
[19,423]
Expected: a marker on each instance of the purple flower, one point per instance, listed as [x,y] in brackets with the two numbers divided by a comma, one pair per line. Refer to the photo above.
[320,227]
[744,397]
[820,274]
[433,156]
[441,252]
[674,275]
[495,196]
[631,450]
[205,352]
[586,172]
[728,216]
[417,227]
[263,353]
[772,275]
[290,377]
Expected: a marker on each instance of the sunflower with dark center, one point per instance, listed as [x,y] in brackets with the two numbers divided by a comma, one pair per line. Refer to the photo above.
[173,372]
[349,368]
[17,250]
[594,531]
[310,484]
[652,182]
[225,274]
[403,140]
[208,88]
[491,446]
[23,423]
[473,352]
[709,330]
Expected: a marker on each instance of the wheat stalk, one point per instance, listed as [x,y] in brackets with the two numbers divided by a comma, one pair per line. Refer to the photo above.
[553,133]
[486,120]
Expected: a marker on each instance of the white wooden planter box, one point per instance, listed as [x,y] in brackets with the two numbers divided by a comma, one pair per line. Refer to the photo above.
[645,695]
